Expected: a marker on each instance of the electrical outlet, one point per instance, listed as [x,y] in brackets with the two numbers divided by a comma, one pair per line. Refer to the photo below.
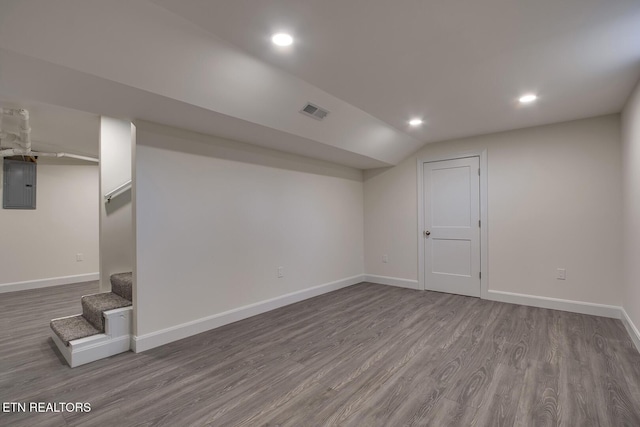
[385,258]
[79,257]
[280,272]
[561,274]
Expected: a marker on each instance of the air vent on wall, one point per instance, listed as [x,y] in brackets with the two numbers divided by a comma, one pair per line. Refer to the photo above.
[314,111]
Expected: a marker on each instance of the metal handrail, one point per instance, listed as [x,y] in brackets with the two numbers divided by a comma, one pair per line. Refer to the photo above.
[117,191]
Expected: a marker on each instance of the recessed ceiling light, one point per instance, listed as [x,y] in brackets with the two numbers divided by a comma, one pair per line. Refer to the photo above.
[415,122]
[528,98]
[282,39]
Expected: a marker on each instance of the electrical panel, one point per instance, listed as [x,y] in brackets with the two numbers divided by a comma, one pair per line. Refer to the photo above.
[19,186]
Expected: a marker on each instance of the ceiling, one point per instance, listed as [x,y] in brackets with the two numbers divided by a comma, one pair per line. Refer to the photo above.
[210,67]
[58,129]
[461,65]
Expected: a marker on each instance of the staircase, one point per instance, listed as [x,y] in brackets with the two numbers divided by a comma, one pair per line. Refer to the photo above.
[102,330]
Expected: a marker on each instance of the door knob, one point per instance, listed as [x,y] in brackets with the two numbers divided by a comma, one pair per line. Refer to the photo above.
[427,233]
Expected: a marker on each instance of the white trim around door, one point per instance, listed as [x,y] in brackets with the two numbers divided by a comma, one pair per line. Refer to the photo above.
[484,229]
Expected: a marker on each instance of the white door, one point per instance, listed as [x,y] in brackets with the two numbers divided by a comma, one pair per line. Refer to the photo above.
[452,226]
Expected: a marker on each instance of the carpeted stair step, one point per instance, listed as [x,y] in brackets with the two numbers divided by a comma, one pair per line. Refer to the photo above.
[121,284]
[73,328]
[94,305]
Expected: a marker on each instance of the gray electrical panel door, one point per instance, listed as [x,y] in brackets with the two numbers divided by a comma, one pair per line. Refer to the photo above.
[19,188]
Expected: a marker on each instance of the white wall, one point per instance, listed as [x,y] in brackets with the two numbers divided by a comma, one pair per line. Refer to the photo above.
[554,200]
[631,205]
[41,244]
[116,218]
[215,218]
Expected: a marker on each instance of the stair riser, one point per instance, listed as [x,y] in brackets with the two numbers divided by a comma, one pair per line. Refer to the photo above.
[93,316]
[121,284]
[93,307]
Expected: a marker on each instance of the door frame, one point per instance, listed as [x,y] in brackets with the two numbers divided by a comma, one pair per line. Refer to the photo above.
[484,215]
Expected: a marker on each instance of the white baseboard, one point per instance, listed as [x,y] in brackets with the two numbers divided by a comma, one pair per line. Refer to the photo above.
[392,281]
[556,304]
[44,283]
[155,339]
[633,331]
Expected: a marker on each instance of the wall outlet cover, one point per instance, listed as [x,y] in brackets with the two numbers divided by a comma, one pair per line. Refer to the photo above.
[562,274]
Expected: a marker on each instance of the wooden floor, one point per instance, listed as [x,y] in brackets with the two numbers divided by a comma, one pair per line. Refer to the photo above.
[367,355]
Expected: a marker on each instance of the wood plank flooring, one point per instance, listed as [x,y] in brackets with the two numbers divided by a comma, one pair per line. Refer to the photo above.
[367,355]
